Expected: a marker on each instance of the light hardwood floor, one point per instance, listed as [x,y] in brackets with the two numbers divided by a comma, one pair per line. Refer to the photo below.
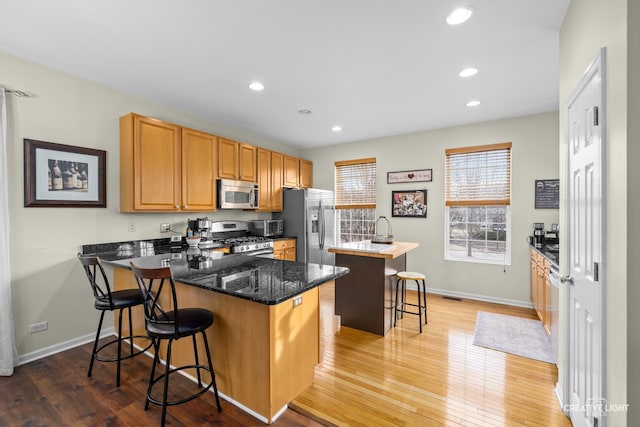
[431,379]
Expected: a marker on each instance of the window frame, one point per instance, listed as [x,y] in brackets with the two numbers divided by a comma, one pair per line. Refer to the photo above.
[475,201]
[347,202]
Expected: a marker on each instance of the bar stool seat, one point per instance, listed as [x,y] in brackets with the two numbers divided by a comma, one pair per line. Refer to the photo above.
[401,305]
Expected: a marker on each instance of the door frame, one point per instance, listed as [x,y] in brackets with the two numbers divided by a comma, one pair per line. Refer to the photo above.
[597,66]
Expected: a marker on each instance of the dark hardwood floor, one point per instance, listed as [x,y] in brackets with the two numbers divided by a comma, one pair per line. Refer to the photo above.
[55,391]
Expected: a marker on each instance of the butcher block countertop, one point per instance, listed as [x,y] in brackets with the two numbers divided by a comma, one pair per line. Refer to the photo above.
[374,250]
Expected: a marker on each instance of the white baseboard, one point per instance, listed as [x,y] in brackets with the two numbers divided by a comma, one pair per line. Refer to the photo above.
[57,348]
[464,295]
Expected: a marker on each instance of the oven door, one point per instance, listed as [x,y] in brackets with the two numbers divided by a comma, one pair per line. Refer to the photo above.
[262,253]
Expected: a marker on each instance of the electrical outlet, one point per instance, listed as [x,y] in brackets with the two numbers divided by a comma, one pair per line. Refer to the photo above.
[132,228]
[165,227]
[38,327]
[297,301]
[175,239]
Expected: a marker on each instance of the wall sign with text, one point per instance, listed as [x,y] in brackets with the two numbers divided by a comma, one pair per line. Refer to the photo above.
[420,175]
[547,194]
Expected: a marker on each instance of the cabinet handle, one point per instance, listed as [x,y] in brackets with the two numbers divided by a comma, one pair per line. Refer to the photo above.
[177,206]
[185,207]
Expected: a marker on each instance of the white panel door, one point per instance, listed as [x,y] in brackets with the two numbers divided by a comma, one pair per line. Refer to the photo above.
[585,210]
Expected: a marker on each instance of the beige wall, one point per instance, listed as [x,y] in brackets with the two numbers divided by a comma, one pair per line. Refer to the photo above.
[588,26]
[48,284]
[633,212]
[534,154]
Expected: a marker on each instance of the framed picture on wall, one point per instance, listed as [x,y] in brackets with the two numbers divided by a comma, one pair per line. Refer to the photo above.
[57,175]
[409,203]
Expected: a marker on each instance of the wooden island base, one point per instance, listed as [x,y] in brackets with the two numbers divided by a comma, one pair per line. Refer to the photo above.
[364,298]
[263,355]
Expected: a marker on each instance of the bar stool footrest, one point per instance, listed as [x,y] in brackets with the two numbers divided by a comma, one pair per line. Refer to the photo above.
[124,339]
[199,393]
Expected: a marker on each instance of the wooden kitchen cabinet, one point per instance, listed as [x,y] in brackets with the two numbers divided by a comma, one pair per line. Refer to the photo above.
[284,249]
[264,180]
[237,160]
[305,174]
[164,167]
[277,179]
[298,173]
[270,167]
[199,170]
[541,288]
[291,171]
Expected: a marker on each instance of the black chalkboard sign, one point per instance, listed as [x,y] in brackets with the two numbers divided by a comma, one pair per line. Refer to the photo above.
[547,194]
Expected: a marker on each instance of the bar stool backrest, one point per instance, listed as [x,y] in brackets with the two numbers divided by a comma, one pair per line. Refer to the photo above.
[152,283]
[99,282]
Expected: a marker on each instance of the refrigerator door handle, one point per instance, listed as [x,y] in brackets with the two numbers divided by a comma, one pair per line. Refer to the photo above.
[321,225]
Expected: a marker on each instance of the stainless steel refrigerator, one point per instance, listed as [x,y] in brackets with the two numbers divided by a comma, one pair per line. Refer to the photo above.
[308,214]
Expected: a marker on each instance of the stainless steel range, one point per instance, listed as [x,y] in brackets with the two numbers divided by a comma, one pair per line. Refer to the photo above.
[235,234]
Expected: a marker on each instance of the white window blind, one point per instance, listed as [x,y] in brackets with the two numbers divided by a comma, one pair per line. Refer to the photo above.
[478,176]
[355,184]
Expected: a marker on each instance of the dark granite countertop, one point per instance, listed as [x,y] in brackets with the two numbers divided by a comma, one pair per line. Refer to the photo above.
[263,280]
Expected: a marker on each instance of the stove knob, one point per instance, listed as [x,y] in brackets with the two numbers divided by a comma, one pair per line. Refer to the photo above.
[257,247]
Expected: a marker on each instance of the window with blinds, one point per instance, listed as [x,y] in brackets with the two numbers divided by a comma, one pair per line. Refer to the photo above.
[477,203]
[356,184]
[478,175]
[355,199]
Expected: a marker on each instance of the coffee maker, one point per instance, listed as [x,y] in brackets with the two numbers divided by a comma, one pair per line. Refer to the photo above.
[201,227]
[538,234]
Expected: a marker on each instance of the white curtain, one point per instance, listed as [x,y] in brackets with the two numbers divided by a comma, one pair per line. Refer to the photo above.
[8,353]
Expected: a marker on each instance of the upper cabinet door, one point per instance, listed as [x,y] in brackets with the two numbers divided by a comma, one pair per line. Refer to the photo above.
[306,174]
[150,159]
[199,170]
[228,160]
[277,175]
[248,162]
[264,180]
[290,171]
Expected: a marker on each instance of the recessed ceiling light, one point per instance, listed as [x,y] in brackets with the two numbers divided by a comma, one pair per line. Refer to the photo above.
[304,111]
[468,72]
[257,86]
[459,15]
[473,103]
[336,128]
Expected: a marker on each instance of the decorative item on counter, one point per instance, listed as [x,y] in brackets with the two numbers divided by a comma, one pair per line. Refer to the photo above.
[192,241]
[383,238]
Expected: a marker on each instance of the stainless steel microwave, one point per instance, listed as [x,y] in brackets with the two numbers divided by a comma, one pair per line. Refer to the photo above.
[234,194]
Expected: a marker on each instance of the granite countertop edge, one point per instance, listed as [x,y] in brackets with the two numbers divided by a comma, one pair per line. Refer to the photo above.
[286,279]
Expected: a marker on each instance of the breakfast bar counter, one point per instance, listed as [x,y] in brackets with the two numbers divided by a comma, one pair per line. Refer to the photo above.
[265,340]
[364,298]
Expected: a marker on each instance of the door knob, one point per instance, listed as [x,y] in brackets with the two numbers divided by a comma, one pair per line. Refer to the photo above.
[566,279]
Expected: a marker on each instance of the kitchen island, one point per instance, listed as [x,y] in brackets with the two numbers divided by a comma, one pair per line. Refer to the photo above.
[265,338]
[364,298]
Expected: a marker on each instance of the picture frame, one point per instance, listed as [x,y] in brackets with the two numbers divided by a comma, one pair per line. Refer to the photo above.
[418,175]
[58,175]
[409,203]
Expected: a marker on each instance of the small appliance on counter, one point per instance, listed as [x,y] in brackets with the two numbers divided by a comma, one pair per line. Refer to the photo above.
[551,236]
[201,227]
[382,238]
[538,234]
[267,227]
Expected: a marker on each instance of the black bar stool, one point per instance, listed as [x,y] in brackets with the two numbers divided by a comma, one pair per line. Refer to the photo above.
[400,306]
[108,300]
[172,325]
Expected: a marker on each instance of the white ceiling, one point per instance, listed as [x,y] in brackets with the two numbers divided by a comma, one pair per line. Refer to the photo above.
[375,67]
